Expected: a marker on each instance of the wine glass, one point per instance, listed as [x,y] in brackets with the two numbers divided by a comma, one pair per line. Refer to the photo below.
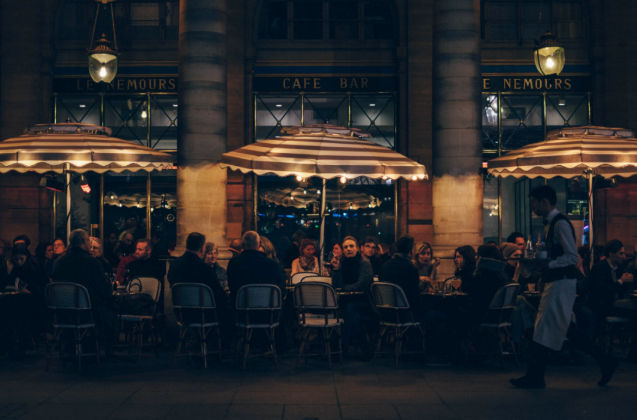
[455,283]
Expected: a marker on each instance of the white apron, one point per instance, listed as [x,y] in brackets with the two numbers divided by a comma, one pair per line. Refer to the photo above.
[554,313]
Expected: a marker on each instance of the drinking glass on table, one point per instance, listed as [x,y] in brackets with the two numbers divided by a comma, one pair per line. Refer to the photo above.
[455,283]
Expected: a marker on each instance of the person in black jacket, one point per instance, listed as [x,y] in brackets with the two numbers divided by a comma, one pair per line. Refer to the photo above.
[606,284]
[252,267]
[489,276]
[77,266]
[190,268]
[369,250]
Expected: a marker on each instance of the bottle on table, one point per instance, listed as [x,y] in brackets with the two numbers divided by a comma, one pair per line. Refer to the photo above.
[529,252]
[540,249]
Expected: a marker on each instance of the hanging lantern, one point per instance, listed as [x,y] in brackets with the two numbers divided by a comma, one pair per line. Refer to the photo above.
[103,60]
[549,55]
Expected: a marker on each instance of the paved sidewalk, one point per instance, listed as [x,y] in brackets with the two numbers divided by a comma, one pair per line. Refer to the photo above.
[153,389]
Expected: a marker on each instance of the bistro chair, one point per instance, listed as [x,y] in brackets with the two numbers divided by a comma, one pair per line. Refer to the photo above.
[70,307]
[196,310]
[317,308]
[497,321]
[298,277]
[258,307]
[617,326]
[149,286]
[317,279]
[395,316]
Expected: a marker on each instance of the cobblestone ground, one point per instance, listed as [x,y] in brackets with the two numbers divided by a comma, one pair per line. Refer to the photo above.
[154,389]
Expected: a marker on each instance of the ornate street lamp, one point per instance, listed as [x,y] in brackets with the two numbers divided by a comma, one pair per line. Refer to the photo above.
[549,55]
[103,60]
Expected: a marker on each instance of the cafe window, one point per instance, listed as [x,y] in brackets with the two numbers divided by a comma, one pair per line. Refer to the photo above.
[504,20]
[374,113]
[134,21]
[317,20]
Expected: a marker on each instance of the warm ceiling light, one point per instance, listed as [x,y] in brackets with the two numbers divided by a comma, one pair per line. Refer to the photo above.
[343,180]
[549,55]
[82,106]
[279,105]
[299,178]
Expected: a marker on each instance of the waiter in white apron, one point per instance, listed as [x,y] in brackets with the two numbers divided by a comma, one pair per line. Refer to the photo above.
[556,306]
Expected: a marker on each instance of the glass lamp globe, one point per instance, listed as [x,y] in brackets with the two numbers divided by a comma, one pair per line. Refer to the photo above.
[102,61]
[549,55]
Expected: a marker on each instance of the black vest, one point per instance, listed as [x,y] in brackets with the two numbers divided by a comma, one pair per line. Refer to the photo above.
[552,249]
[555,250]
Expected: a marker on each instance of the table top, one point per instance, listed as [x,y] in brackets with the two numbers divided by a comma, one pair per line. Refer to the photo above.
[9,293]
[444,295]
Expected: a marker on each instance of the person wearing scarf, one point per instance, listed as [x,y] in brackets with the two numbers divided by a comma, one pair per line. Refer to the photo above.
[306,262]
[353,273]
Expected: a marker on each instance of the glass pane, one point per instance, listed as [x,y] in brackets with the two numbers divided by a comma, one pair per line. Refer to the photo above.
[502,31]
[308,9]
[79,109]
[308,29]
[489,121]
[326,110]
[273,22]
[567,10]
[531,11]
[521,120]
[163,215]
[163,121]
[144,21]
[569,30]
[498,10]
[270,109]
[381,30]
[343,9]
[377,10]
[343,30]
[566,109]
[172,21]
[364,207]
[127,118]
[490,210]
[375,114]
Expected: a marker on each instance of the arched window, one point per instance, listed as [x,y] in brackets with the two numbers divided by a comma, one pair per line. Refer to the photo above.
[323,20]
[514,20]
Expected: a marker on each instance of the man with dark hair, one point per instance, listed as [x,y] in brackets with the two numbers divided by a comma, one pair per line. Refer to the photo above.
[22,239]
[252,267]
[556,305]
[236,247]
[370,253]
[190,268]
[518,239]
[77,266]
[606,283]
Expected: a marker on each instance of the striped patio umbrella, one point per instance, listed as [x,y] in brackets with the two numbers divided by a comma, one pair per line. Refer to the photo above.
[571,152]
[73,147]
[324,151]
[79,147]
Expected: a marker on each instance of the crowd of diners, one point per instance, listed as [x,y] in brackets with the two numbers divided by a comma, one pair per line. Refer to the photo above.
[351,264]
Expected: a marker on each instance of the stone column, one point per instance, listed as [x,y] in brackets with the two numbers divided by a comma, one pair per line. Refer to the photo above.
[457,148]
[201,183]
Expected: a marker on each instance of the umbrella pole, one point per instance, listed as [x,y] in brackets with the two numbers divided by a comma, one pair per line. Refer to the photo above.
[590,215]
[102,207]
[322,234]
[68,203]
[148,205]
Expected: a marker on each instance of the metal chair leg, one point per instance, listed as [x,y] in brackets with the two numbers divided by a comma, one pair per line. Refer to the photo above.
[328,347]
[398,345]
[302,346]
[246,346]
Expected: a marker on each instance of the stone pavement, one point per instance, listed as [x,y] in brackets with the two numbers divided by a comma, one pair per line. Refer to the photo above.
[153,389]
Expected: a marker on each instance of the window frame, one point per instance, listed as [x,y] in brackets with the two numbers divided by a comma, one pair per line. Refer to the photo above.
[326,22]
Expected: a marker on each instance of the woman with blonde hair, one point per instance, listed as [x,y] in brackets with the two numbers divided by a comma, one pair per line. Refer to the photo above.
[426,264]
[268,249]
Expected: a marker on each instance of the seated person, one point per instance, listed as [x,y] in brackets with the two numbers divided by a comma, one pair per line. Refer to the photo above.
[236,247]
[97,252]
[353,273]
[268,249]
[145,264]
[383,253]
[252,267]
[424,262]
[307,261]
[77,266]
[212,252]
[28,312]
[293,252]
[488,278]
[190,268]
[370,253]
